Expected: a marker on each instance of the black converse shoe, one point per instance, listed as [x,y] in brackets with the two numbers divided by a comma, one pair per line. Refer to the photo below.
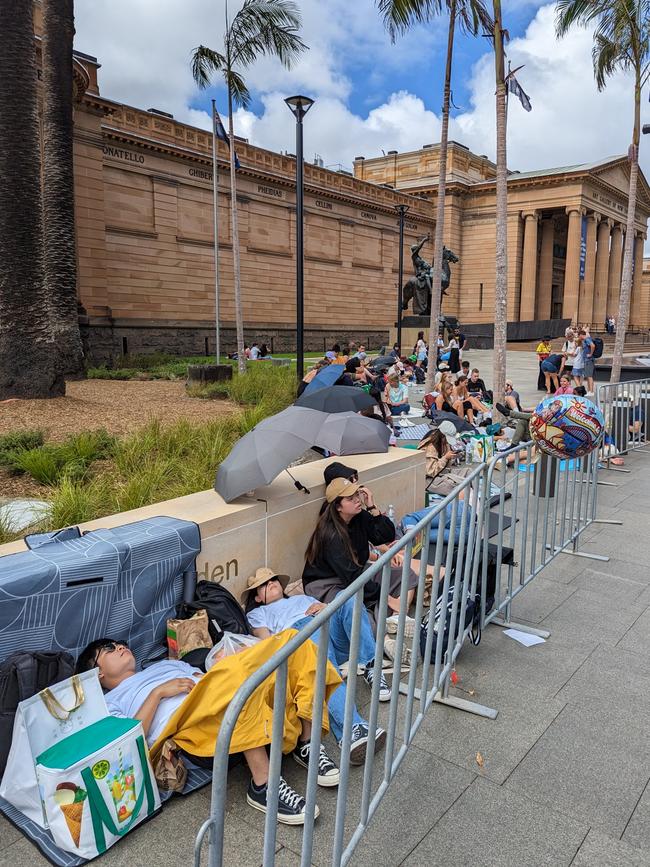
[359,742]
[328,773]
[384,689]
[291,805]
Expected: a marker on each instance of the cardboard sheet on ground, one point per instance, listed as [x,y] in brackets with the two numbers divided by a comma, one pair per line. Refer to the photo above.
[524,637]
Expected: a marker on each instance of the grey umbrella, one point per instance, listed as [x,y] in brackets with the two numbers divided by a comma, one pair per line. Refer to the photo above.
[337,398]
[346,433]
[261,454]
[459,423]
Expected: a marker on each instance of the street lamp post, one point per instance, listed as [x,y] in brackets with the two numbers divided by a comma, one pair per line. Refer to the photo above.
[299,106]
[401,209]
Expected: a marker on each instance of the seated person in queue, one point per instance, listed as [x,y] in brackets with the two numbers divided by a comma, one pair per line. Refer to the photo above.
[338,550]
[396,396]
[466,404]
[440,456]
[270,611]
[174,700]
[476,386]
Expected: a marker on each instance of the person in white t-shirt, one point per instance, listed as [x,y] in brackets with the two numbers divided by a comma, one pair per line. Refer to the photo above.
[255,352]
[269,611]
[154,694]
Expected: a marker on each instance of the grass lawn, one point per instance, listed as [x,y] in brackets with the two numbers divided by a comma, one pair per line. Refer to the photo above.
[94,473]
[157,365]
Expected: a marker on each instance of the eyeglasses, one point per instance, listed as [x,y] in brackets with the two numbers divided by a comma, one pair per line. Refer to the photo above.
[109,647]
[354,478]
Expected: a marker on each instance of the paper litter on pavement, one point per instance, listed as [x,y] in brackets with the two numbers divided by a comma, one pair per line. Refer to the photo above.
[524,637]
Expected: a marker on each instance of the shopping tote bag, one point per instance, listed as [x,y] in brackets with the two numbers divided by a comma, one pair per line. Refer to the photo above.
[97,785]
[42,721]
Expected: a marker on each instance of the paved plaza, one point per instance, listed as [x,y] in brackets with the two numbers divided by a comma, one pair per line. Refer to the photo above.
[559,778]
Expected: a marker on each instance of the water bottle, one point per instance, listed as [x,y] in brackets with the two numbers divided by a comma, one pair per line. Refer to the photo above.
[391,513]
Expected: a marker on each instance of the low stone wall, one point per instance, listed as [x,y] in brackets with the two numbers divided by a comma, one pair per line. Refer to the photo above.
[273,528]
[103,343]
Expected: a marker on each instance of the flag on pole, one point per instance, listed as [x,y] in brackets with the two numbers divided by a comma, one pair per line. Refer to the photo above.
[222,135]
[517,90]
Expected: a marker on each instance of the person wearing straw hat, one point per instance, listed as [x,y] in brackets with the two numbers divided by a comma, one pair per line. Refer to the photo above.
[270,611]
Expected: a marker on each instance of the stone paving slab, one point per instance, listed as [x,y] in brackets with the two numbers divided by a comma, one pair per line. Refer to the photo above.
[603,851]
[592,763]
[637,832]
[428,784]
[637,638]
[610,588]
[490,825]
[614,674]
[585,613]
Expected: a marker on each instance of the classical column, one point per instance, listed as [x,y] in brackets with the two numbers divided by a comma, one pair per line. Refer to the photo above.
[545,280]
[529,268]
[635,306]
[586,306]
[572,264]
[602,273]
[614,277]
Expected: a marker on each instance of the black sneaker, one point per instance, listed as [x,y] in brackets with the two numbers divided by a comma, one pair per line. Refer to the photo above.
[503,409]
[291,805]
[359,742]
[385,691]
[328,773]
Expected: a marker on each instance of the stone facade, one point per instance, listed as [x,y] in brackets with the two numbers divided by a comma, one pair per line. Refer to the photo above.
[144,217]
[566,230]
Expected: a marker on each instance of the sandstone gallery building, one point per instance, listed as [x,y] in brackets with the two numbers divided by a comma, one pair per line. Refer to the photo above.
[143,188]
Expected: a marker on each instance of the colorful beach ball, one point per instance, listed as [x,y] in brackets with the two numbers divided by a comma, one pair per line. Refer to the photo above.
[567,426]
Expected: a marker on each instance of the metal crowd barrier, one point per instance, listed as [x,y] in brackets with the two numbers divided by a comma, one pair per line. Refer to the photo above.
[626,408]
[542,507]
[461,515]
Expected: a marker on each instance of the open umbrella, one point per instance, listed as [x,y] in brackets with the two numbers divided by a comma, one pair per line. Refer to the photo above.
[340,398]
[382,362]
[346,433]
[461,424]
[261,454]
[325,377]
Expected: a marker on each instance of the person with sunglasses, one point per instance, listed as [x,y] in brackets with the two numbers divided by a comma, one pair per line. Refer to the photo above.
[160,697]
[270,611]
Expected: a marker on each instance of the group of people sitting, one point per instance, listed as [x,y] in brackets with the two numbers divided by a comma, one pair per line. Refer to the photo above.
[351,530]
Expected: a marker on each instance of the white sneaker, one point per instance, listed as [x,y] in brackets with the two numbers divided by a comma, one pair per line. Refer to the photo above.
[392,624]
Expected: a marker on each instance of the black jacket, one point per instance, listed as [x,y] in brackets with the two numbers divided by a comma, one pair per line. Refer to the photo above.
[365,530]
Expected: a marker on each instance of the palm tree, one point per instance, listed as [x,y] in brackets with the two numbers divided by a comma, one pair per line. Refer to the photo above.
[469,15]
[621,43]
[27,361]
[59,251]
[501,216]
[261,27]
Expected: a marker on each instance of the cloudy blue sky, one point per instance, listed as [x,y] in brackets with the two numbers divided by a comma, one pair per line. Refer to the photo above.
[370,94]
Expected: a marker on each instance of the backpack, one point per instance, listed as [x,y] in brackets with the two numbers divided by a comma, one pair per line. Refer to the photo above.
[443,609]
[224,612]
[22,675]
[598,347]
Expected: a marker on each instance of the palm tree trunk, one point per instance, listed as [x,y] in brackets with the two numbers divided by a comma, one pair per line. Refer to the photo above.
[628,255]
[501,281]
[27,367]
[239,318]
[59,250]
[436,279]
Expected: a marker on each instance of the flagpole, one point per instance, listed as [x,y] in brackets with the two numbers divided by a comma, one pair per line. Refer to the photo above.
[215,200]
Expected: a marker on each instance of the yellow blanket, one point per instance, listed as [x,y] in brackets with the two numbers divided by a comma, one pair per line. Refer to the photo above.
[196,722]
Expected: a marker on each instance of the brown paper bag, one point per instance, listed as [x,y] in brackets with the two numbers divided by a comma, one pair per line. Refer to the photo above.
[170,771]
[186,635]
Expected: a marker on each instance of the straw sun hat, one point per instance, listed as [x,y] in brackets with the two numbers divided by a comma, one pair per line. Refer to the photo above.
[261,576]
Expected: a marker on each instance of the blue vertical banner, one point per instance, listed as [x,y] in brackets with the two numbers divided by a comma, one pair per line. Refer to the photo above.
[583,248]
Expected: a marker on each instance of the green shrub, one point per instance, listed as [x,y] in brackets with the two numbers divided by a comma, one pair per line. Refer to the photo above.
[12,444]
[50,463]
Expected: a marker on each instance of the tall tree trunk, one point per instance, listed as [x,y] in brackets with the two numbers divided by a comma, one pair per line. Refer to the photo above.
[436,280]
[501,275]
[59,251]
[628,255]
[239,317]
[27,362]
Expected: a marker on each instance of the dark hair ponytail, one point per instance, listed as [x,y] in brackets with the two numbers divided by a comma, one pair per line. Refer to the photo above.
[330,528]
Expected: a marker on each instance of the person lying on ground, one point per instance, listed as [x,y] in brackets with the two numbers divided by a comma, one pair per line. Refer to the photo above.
[338,550]
[270,611]
[173,700]
[396,395]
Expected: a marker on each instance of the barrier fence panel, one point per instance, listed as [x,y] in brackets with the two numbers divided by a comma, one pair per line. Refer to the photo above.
[542,507]
[626,407]
[449,539]
[479,543]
